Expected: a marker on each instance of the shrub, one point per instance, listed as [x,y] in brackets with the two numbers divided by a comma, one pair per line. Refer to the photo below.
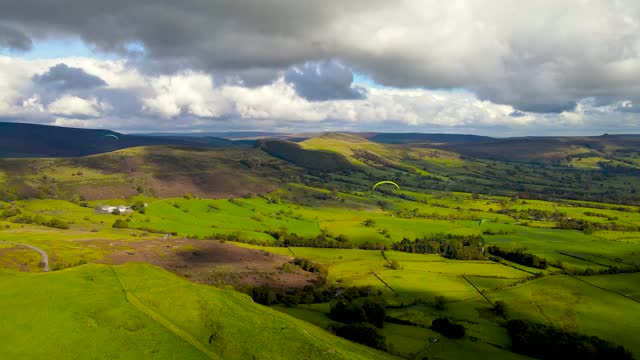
[120,224]
[447,328]
[369,223]
[368,311]
[57,223]
[138,206]
[395,265]
[440,302]
[362,333]
[11,212]
[500,308]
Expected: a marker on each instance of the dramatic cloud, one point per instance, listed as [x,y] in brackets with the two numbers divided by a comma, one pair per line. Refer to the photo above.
[195,100]
[538,56]
[324,81]
[14,39]
[63,77]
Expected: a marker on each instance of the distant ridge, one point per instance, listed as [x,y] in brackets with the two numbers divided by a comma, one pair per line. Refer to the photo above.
[407,138]
[231,135]
[31,140]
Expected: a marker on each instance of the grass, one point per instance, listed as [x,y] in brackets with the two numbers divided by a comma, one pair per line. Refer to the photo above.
[85,314]
[306,210]
[574,305]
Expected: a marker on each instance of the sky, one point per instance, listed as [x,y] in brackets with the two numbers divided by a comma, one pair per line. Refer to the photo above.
[488,67]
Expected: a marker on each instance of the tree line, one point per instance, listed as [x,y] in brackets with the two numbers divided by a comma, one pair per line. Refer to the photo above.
[458,247]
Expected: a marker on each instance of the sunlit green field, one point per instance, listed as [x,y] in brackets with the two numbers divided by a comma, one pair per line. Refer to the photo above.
[360,217]
[132,312]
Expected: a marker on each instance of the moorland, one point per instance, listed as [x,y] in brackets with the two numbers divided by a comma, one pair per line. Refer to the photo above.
[277,247]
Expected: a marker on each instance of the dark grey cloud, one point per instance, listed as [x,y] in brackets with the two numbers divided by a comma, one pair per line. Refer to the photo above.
[14,39]
[550,107]
[545,59]
[325,80]
[63,77]
[517,113]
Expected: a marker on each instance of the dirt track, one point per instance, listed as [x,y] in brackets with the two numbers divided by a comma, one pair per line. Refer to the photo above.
[43,254]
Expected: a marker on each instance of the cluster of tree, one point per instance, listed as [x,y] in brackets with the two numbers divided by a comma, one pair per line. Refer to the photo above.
[533,214]
[595,214]
[519,256]
[548,342]
[447,328]
[308,265]
[609,270]
[362,333]
[588,226]
[20,218]
[363,318]
[139,207]
[373,246]
[323,240]
[10,212]
[310,294]
[459,247]
[363,310]
[415,213]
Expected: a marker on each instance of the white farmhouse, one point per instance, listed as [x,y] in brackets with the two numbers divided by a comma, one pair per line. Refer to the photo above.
[107,209]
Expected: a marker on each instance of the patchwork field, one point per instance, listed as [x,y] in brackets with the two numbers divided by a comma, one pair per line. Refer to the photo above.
[238,254]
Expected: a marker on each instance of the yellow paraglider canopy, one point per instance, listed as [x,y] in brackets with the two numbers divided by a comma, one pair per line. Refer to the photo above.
[385,182]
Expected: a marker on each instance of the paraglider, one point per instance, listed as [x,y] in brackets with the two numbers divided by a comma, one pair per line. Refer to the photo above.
[113,136]
[481,221]
[385,182]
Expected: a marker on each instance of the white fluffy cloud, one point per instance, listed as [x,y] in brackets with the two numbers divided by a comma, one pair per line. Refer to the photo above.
[69,105]
[194,100]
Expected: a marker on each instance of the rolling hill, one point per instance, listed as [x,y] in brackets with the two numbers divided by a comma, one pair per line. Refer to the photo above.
[163,171]
[137,311]
[30,140]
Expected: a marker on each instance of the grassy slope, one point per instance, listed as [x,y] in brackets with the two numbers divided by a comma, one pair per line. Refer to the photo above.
[82,313]
[154,170]
[574,305]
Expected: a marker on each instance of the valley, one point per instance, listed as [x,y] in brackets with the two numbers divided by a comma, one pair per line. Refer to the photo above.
[249,252]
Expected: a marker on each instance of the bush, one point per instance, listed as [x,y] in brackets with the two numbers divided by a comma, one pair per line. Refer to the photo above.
[369,223]
[370,311]
[440,302]
[395,265]
[120,224]
[447,328]
[500,308]
[307,265]
[138,206]
[362,333]
[10,212]
[57,223]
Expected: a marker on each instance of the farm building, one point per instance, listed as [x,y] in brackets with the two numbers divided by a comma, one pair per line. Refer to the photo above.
[107,209]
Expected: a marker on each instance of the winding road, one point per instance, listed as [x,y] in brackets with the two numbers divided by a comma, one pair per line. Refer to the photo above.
[45,257]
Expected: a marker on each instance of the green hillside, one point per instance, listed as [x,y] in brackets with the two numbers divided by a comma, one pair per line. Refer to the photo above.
[139,311]
[153,171]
